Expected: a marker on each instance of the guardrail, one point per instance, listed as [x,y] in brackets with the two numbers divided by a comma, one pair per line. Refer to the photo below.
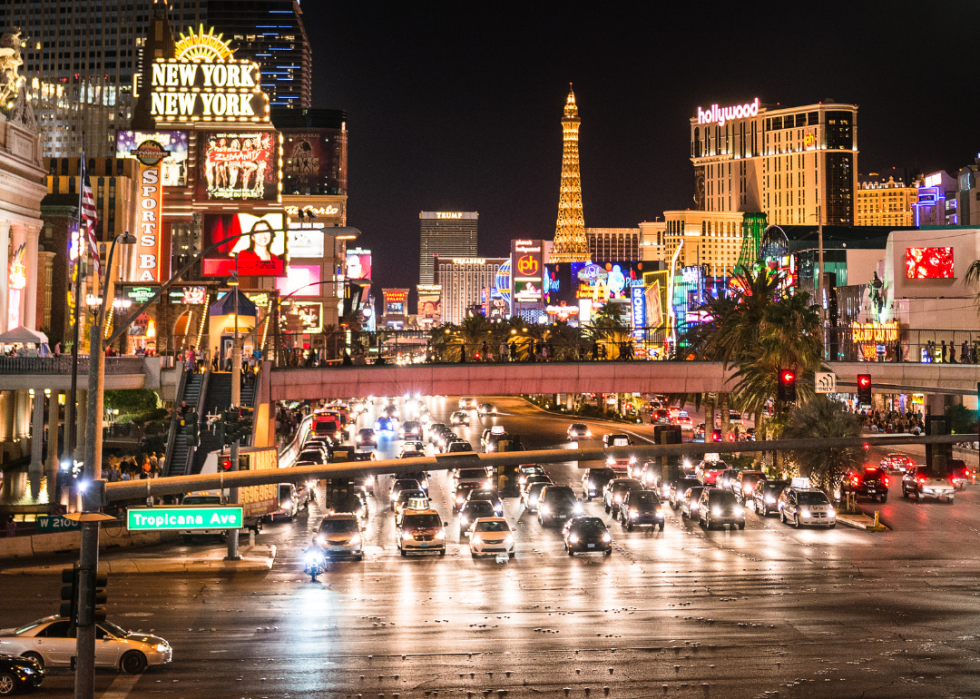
[62,365]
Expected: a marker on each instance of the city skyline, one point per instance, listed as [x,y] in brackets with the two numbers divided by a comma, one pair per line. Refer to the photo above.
[479,134]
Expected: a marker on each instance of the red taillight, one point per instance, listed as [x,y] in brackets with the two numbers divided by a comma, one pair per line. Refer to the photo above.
[854,481]
[885,481]
[922,480]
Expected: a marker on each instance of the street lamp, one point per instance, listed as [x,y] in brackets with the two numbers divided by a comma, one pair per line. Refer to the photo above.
[236,355]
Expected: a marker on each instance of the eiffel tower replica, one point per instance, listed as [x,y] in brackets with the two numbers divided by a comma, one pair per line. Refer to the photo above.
[571,244]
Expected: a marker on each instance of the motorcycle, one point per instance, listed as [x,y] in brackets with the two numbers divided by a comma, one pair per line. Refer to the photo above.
[314,562]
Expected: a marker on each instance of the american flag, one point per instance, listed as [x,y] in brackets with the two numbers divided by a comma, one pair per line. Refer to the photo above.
[90,219]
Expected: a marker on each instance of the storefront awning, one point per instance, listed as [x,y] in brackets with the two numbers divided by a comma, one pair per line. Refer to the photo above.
[225,306]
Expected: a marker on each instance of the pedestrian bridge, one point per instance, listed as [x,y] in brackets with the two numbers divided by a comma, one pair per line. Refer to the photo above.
[25,373]
[583,377]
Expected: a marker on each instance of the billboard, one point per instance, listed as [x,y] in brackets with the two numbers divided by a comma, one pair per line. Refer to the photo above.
[928,263]
[430,304]
[655,292]
[605,281]
[301,280]
[527,270]
[263,254]
[239,165]
[174,167]
[638,306]
[358,264]
[314,161]
[305,242]
[310,314]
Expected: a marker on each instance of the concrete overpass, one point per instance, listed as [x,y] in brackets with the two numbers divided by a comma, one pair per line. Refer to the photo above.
[585,377]
[25,373]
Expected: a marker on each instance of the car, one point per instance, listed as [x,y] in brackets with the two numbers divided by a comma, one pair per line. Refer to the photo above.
[491,536]
[314,454]
[486,409]
[471,511]
[676,490]
[594,480]
[897,462]
[463,489]
[765,497]
[734,417]
[616,439]
[719,507]
[660,416]
[410,429]
[614,491]
[497,434]
[400,484]
[641,507]
[456,446]
[340,534]
[473,473]
[961,474]
[203,497]
[620,463]
[459,418]
[810,506]
[19,674]
[434,430]
[531,495]
[421,531]
[409,499]
[866,481]
[708,471]
[291,502]
[557,503]
[690,499]
[467,403]
[586,535]
[524,471]
[421,476]
[577,431]
[51,642]
[685,422]
[744,486]
[444,438]
[385,424]
[488,495]
[921,483]
[411,445]
[531,480]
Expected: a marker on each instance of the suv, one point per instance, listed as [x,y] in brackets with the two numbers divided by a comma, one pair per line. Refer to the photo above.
[467,403]
[897,462]
[641,507]
[869,481]
[594,480]
[708,471]
[340,533]
[557,503]
[744,485]
[920,483]
[410,429]
[421,530]
[615,491]
[677,489]
[766,496]
[806,506]
[486,409]
[719,507]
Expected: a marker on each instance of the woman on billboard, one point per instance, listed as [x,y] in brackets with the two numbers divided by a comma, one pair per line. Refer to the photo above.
[258,258]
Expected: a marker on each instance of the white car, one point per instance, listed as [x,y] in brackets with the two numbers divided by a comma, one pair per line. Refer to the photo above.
[47,641]
[490,536]
[340,533]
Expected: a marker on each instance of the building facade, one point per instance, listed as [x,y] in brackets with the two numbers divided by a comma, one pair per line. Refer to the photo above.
[797,165]
[881,201]
[968,194]
[446,234]
[466,282]
[698,238]
[652,240]
[614,244]
[936,202]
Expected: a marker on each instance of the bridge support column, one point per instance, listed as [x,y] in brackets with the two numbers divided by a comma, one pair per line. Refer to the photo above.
[935,404]
[52,465]
[22,420]
[81,411]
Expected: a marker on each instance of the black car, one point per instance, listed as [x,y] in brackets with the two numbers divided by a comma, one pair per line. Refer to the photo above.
[19,674]
[557,503]
[719,507]
[641,507]
[462,491]
[489,496]
[765,499]
[586,535]
[677,489]
[869,481]
[471,511]
[595,480]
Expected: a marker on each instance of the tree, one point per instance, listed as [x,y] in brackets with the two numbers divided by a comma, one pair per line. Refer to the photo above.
[822,418]
[131,401]
[973,276]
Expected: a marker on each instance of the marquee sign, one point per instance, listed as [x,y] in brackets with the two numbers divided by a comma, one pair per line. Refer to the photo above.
[876,333]
[150,212]
[719,115]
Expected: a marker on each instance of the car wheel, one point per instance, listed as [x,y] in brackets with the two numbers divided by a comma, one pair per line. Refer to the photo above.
[782,517]
[608,552]
[443,552]
[570,552]
[8,683]
[796,521]
[905,493]
[884,499]
[133,663]
[661,526]
[742,525]
[918,497]
[628,526]
[832,526]
[359,557]
[402,552]
[35,657]
[510,555]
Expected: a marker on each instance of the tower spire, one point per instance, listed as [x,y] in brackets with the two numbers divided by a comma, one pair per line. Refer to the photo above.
[571,244]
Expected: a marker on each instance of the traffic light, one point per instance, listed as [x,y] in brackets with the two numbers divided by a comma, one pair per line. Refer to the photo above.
[92,596]
[864,389]
[69,595]
[225,464]
[787,386]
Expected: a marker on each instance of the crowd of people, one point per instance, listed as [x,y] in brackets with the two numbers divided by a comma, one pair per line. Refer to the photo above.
[892,422]
[131,468]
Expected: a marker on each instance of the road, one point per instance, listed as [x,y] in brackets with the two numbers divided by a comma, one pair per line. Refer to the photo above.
[766,612]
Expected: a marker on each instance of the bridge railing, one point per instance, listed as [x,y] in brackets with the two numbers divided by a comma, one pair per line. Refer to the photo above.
[62,365]
[906,345]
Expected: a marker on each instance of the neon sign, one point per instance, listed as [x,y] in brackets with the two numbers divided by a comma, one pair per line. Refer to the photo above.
[150,210]
[220,91]
[877,333]
[449,214]
[528,265]
[719,115]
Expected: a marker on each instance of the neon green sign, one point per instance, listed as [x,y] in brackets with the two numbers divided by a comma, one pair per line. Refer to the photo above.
[161,518]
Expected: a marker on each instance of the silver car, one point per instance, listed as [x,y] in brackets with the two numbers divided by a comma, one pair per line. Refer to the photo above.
[806,506]
[47,640]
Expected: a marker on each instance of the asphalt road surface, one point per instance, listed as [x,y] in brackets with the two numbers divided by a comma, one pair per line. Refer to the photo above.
[766,612]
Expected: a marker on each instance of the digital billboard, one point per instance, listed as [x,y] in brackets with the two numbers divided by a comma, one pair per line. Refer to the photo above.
[305,242]
[261,254]
[606,281]
[430,304]
[527,270]
[239,165]
[314,161]
[310,314]
[929,263]
[358,264]
[173,167]
[301,280]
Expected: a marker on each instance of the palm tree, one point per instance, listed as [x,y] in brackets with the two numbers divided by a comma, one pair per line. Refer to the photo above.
[973,276]
[822,418]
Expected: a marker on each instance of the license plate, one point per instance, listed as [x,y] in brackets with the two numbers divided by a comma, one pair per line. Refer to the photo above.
[591,546]
[424,545]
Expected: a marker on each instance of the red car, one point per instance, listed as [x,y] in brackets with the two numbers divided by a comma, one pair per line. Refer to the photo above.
[708,473]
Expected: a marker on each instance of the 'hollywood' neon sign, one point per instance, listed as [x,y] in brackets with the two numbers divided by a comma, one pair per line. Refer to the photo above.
[719,115]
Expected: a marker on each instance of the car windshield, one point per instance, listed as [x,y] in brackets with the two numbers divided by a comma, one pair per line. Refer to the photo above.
[479,508]
[625,485]
[401,484]
[578,426]
[413,475]
[202,500]
[695,492]
[410,493]
[721,497]
[338,526]
[482,495]
[751,477]
[774,487]
[428,521]
[590,525]
[619,441]
[492,527]
[472,474]
[645,499]
[535,488]
[284,491]
[532,470]
[812,499]
[560,493]
[602,473]
[460,446]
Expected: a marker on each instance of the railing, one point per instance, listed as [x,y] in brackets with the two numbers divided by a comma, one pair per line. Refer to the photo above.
[62,365]
[175,418]
[905,345]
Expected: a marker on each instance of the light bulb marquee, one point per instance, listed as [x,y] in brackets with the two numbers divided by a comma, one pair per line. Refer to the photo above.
[202,47]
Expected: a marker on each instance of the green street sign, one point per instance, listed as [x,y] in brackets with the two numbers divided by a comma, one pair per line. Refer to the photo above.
[156,519]
[56,524]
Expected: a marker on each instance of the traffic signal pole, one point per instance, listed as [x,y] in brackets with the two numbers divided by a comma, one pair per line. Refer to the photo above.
[85,635]
[233,500]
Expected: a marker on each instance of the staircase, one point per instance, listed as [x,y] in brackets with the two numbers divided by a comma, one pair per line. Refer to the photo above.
[217,400]
[177,460]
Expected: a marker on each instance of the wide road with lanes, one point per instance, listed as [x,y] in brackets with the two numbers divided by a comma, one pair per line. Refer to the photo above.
[766,612]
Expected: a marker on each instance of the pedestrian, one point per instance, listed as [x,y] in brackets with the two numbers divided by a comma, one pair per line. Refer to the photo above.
[513,351]
[215,358]
[952,353]
[485,348]
[57,349]
[154,462]
[595,351]
[944,353]
[346,360]
[502,351]
[965,353]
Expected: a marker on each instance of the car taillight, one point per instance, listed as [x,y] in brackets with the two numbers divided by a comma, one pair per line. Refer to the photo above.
[854,481]
[966,473]
[922,480]
[885,481]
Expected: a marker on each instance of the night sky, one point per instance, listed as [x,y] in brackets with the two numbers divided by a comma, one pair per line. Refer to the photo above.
[457,106]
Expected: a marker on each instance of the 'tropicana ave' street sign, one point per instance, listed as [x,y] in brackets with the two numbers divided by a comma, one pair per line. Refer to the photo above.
[161,518]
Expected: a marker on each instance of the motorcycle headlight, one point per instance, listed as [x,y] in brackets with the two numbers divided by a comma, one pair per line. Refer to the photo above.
[573,538]
[606,538]
[314,557]
[440,534]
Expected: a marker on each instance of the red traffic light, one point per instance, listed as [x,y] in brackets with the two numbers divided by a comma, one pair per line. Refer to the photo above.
[864,380]
[788,376]
[226,464]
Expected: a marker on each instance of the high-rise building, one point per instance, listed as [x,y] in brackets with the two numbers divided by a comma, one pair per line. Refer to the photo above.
[696,238]
[652,234]
[447,234]
[614,244]
[881,200]
[797,165]
[968,194]
[936,203]
[571,244]
[466,282]
[82,60]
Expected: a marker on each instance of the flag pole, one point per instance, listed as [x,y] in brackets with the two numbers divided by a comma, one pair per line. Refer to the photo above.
[72,394]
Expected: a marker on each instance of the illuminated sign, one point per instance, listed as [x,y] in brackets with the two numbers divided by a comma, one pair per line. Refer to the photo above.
[188,295]
[591,272]
[150,214]
[328,210]
[358,264]
[218,91]
[301,281]
[527,270]
[809,140]
[130,144]
[874,333]
[928,263]
[261,254]
[934,180]
[528,265]
[638,304]
[202,47]
[305,242]
[469,261]
[310,314]
[691,275]
[449,214]
[430,303]
[17,277]
[562,311]
[239,165]
[160,518]
[140,294]
[719,115]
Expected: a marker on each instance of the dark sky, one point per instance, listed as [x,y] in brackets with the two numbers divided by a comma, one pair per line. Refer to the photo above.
[457,106]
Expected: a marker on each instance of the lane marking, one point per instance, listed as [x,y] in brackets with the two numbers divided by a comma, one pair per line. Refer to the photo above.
[121,687]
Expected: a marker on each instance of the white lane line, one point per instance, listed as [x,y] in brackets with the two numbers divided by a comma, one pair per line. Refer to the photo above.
[121,687]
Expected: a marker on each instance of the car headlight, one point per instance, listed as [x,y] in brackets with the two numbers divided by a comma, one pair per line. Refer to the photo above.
[440,534]
[831,512]
[476,539]
[588,434]
[716,511]
[322,540]
[618,499]
[606,538]
[545,509]
[592,484]
[632,459]
[804,512]
[459,499]
[770,499]
[634,512]
[610,461]
[739,512]
[406,536]
[463,520]
[534,499]
[577,509]
[573,538]
[287,502]
[660,512]
[509,539]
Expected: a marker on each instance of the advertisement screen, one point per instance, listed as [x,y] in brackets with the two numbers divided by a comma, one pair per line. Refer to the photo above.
[929,263]
[358,264]
[314,162]
[430,308]
[310,315]
[527,270]
[395,308]
[301,281]
[655,284]
[174,167]
[239,166]
[262,254]
[305,242]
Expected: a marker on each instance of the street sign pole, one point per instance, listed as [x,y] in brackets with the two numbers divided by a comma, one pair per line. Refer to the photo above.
[233,500]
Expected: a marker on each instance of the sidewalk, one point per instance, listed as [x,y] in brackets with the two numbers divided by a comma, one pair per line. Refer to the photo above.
[861,521]
[256,558]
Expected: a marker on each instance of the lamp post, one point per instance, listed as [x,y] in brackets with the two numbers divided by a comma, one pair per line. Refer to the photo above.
[236,355]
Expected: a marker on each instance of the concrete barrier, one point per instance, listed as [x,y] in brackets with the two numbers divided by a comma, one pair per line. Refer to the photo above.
[68,542]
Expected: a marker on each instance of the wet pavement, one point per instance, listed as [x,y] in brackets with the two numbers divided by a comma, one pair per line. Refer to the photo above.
[770,611]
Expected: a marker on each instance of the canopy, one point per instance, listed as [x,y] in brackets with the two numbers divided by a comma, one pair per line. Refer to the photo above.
[23,336]
[225,306]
